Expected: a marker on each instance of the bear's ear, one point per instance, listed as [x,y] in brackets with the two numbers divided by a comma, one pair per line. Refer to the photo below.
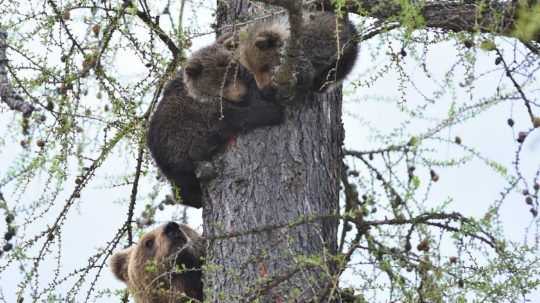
[230,44]
[119,265]
[228,40]
[193,69]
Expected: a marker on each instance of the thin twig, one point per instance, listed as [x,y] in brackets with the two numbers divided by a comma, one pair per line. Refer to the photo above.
[508,73]
[133,197]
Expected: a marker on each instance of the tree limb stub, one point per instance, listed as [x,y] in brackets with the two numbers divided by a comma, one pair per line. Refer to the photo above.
[7,94]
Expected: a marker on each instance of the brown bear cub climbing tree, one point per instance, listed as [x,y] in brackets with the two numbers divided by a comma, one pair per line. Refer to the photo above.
[165,266]
[184,130]
[260,48]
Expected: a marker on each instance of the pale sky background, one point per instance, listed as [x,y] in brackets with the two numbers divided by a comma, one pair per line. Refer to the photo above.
[474,187]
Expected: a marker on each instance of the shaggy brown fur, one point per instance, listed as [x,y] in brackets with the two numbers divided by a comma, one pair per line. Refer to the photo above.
[332,60]
[212,72]
[229,40]
[259,50]
[183,131]
[260,46]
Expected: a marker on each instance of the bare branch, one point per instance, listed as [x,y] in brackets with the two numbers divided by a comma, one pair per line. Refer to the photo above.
[154,26]
[268,284]
[517,86]
[60,18]
[7,94]
[363,226]
[351,201]
[134,190]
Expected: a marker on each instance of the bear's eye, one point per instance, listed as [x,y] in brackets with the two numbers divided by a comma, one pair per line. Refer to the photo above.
[149,243]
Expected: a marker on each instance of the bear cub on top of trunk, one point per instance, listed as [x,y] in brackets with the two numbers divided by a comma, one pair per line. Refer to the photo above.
[330,43]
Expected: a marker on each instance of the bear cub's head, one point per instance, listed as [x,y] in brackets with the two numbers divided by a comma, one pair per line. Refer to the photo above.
[213,72]
[260,49]
[164,266]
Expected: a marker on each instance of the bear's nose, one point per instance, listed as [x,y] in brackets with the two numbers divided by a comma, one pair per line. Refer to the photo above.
[172,229]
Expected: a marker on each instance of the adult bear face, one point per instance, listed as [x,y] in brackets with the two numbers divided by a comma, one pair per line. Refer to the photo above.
[164,264]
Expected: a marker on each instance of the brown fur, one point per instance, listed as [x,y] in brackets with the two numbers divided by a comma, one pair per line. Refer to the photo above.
[183,131]
[164,266]
[212,72]
[332,60]
[229,40]
[260,49]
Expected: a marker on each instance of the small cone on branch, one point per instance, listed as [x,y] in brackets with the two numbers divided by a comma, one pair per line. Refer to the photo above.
[434,176]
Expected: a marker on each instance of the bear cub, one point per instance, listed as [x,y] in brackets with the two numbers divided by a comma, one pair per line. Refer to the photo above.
[212,72]
[183,130]
[259,48]
[164,266]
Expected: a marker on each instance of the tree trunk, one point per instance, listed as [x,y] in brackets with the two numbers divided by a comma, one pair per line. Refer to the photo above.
[269,179]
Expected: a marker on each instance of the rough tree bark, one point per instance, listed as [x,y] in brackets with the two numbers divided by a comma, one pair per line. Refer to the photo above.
[270,178]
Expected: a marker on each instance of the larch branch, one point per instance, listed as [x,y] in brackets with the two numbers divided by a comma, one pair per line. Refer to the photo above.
[7,94]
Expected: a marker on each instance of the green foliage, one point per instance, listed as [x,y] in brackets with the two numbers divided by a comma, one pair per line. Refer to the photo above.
[488,45]
[411,15]
[151,267]
[527,25]
[404,166]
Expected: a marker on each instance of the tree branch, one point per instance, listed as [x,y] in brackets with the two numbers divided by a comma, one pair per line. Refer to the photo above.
[134,190]
[496,17]
[60,18]
[154,26]
[508,73]
[351,202]
[7,94]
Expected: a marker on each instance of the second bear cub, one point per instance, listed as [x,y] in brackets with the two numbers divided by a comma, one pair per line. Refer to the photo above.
[212,72]
[329,42]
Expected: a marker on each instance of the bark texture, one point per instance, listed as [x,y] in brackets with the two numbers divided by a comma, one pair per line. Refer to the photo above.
[271,177]
[268,179]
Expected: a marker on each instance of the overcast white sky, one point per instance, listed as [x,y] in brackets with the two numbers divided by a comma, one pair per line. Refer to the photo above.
[473,187]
